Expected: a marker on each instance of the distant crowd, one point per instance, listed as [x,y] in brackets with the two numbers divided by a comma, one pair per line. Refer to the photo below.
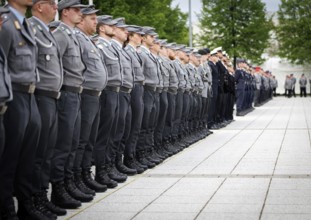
[290,84]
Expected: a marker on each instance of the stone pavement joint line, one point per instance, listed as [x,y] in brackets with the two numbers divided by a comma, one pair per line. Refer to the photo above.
[258,167]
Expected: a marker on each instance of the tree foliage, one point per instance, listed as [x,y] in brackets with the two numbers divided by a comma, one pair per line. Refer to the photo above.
[239,26]
[170,23]
[294,30]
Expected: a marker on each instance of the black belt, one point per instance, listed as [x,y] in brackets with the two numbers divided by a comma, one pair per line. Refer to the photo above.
[187,92]
[92,92]
[172,90]
[181,90]
[140,82]
[51,94]
[112,88]
[73,89]
[150,88]
[24,88]
[125,90]
[165,89]
[159,90]
[3,109]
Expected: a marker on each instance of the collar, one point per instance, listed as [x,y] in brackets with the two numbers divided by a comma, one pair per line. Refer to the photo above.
[117,42]
[105,40]
[18,15]
[41,23]
[145,48]
[131,46]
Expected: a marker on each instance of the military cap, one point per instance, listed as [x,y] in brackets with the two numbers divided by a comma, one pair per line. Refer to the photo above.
[197,54]
[207,50]
[54,24]
[149,31]
[240,60]
[163,42]
[106,19]
[214,52]
[187,50]
[135,29]
[89,10]
[179,47]
[170,45]
[4,10]
[202,52]
[218,49]
[70,4]
[120,23]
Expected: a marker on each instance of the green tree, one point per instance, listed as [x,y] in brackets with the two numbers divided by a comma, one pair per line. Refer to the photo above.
[294,30]
[170,23]
[239,26]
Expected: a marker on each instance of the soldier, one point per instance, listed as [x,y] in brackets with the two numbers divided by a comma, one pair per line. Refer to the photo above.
[212,64]
[221,93]
[257,75]
[240,86]
[106,171]
[303,84]
[95,81]
[137,104]
[288,86]
[47,93]
[293,78]
[275,85]
[22,120]
[64,190]
[150,70]
[123,128]
[6,87]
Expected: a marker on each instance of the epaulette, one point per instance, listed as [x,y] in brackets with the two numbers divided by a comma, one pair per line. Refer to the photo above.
[100,46]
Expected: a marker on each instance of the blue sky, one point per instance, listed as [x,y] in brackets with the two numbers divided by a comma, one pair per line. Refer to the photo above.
[271,5]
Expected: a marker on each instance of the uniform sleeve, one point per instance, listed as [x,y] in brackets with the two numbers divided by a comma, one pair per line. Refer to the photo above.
[62,43]
[5,36]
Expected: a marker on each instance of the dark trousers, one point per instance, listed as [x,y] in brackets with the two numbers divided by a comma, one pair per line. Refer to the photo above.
[69,121]
[22,125]
[178,115]
[303,92]
[148,121]
[49,119]
[213,102]
[169,121]
[137,106]
[161,119]
[2,136]
[204,111]
[90,107]
[187,100]
[123,126]
[239,99]
[219,106]
[109,111]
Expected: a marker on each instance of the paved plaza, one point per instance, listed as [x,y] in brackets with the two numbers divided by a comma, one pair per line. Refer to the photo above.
[258,167]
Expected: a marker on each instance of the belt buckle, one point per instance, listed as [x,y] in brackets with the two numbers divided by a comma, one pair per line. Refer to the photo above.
[31,88]
[80,89]
[58,95]
[118,89]
[3,109]
[99,93]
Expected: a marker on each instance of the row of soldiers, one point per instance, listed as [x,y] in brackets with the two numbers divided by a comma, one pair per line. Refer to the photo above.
[253,86]
[123,100]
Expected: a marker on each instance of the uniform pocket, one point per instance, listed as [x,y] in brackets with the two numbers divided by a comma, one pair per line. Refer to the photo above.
[23,59]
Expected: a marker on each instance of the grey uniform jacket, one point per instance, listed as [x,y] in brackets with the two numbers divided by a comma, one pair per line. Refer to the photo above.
[126,64]
[293,82]
[288,83]
[95,73]
[165,70]
[303,82]
[19,46]
[258,81]
[71,55]
[190,80]
[181,74]
[112,62]
[150,67]
[5,80]
[173,75]
[49,64]
[202,72]
[136,63]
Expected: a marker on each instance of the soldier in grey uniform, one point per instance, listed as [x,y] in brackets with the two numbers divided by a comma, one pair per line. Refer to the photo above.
[95,81]
[293,78]
[106,171]
[150,70]
[22,120]
[288,86]
[137,104]
[303,84]
[6,94]
[64,191]
[47,94]
[123,128]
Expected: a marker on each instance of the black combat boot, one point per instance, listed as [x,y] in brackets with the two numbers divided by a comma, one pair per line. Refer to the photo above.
[81,186]
[124,169]
[72,189]
[91,183]
[103,178]
[114,174]
[141,159]
[130,162]
[50,206]
[8,213]
[27,211]
[40,206]
[61,198]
